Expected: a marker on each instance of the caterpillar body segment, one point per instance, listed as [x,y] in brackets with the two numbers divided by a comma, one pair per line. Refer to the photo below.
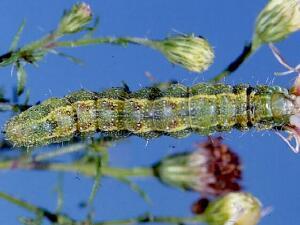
[150,112]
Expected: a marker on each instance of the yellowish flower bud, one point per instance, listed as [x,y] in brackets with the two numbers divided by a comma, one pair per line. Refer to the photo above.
[234,209]
[277,20]
[189,51]
[75,19]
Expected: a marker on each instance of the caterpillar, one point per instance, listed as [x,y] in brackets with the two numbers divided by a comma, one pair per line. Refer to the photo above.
[150,112]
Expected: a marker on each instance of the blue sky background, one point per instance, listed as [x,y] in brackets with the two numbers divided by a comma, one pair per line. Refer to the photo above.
[271,170]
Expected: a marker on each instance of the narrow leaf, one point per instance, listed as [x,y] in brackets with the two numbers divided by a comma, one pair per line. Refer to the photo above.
[69,57]
[91,30]
[21,79]
[60,194]
[27,96]
[136,188]
[16,39]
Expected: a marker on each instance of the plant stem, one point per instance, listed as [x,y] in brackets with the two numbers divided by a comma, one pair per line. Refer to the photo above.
[103,40]
[34,51]
[41,43]
[52,217]
[61,151]
[19,202]
[85,169]
[90,170]
[247,51]
[56,217]
[132,172]
[155,219]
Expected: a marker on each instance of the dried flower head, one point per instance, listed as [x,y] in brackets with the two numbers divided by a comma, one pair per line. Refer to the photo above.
[213,169]
[277,20]
[234,209]
[189,51]
[75,19]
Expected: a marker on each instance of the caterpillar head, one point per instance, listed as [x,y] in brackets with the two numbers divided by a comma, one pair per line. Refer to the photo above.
[293,127]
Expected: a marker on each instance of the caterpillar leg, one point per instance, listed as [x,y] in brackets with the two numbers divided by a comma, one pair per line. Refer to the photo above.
[293,131]
[296,87]
[283,62]
[293,134]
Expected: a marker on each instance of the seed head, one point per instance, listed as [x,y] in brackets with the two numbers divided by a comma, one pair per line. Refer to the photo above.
[234,209]
[189,51]
[75,19]
[277,20]
[213,169]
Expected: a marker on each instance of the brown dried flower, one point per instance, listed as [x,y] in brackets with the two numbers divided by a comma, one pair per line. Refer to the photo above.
[213,169]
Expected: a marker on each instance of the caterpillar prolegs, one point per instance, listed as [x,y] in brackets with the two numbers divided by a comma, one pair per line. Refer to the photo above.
[151,112]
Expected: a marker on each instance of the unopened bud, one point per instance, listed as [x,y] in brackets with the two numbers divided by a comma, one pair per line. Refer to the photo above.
[75,19]
[234,209]
[189,51]
[277,20]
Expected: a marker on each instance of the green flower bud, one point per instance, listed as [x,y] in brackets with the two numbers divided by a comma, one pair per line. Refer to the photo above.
[234,209]
[191,52]
[212,169]
[278,19]
[75,19]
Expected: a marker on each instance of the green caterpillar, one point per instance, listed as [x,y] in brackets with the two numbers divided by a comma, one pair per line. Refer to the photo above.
[150,112]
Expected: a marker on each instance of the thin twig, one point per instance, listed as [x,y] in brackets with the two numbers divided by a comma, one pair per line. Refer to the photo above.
[247,51]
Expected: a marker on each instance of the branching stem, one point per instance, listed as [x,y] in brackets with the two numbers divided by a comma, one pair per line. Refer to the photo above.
[56,217]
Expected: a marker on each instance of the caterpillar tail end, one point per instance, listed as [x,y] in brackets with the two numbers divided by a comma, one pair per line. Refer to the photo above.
[21,132]
[50,122]
[16,134]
